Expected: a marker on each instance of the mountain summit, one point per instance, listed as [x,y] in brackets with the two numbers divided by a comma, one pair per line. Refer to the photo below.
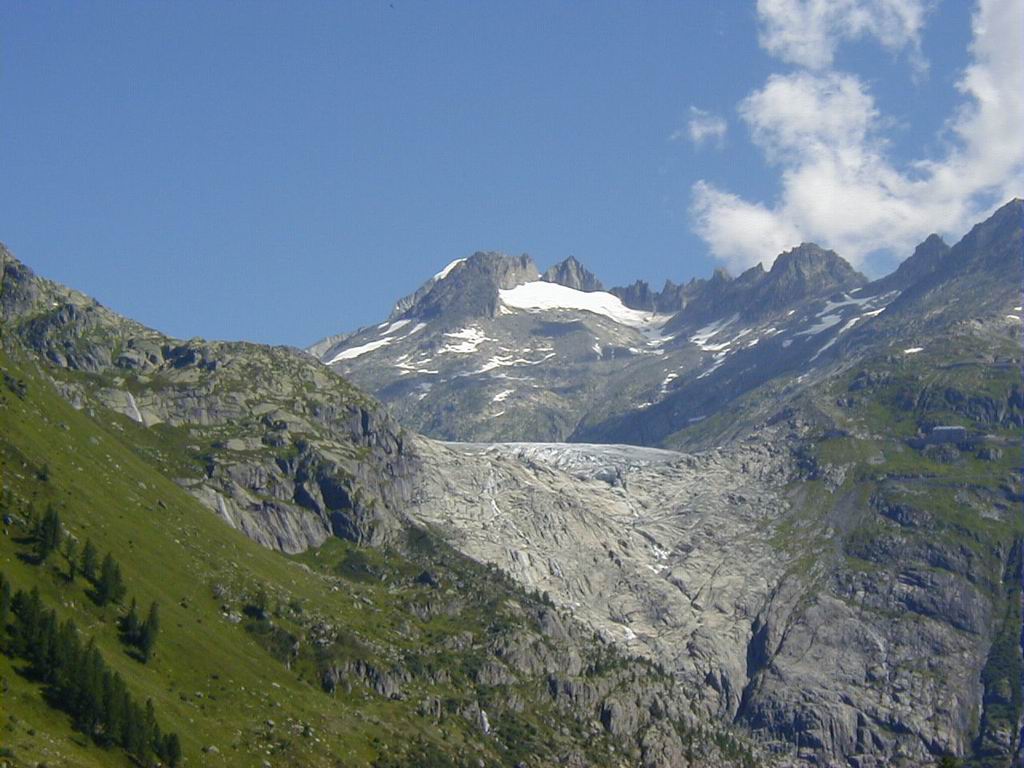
[491,349]
[572,274]
[467,287]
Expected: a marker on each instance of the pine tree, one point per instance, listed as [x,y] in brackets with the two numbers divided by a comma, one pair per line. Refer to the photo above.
[48,534]
[154,738]
[89,557]
[130,624]
[5,603]
[171,751]
[79,680]
[148,632]
[71,553]
[110,586]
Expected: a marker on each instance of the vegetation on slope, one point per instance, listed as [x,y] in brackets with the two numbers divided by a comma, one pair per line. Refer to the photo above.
[343,655]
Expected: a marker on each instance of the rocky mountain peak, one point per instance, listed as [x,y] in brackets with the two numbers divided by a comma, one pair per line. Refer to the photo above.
[807,271]
[1004,226]
[721,275]
[926,259]
[468,288]
[572,274]
[638,295]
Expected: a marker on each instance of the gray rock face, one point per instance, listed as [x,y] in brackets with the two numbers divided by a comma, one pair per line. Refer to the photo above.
[572,274]
[815,579]
[293,454]
[576,366]
[689,560]
[470,289]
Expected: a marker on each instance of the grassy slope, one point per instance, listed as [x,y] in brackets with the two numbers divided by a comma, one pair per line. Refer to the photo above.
[211,680]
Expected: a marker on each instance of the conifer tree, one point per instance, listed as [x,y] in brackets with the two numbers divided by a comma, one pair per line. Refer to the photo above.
[110,586]
[130,624]
[172,750]
[5,603]
[148,632]
[81,683]
[48,534]
[71,554]
[89,560]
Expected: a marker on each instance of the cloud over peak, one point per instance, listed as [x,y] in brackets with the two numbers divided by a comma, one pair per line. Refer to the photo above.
[838,186]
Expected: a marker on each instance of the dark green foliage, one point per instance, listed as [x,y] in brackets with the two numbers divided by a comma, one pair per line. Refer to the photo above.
[71,554]
[141,634]
[5,599]
[130,624]
[110,585]
[90,559]
[79,682]
[48,534]
[148,632]
[171,750]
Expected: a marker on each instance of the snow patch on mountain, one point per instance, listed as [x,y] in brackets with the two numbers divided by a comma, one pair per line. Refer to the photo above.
[540,295]
[828,321]
[354,352]
[389,328]
[708,332]
[468,340]
[502,361]
[447,270]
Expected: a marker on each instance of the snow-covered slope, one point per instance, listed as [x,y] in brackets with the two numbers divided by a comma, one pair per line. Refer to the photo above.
[540,296]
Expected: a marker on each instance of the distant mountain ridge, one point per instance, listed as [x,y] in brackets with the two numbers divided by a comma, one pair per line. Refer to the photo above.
[476,355]
[829,559]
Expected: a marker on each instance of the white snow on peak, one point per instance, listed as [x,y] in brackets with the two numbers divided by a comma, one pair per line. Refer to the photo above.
[849,324]
[447,270]
[502,361]
[705,334]
[468,340]
[362,349]
[395,326]
[827,322]
[540,295]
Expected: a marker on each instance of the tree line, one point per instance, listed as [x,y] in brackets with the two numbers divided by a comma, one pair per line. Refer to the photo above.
[79,681]
[104,575]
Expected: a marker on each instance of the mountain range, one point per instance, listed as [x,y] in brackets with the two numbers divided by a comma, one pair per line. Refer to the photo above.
[488,349]
[770,519]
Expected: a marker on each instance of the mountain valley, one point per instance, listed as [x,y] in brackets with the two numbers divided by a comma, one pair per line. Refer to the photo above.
[771,519]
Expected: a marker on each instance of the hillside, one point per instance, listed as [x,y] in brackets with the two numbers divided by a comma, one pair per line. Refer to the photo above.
[405,654]
[836,582]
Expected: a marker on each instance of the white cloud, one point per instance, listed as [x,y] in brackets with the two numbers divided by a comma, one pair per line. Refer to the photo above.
[703,126]
[807,32]
[839,187]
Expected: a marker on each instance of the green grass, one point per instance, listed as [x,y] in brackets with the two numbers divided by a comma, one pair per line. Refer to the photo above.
[216,680]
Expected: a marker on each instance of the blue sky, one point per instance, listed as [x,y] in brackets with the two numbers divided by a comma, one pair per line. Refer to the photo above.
[279,172]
